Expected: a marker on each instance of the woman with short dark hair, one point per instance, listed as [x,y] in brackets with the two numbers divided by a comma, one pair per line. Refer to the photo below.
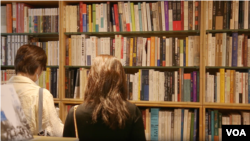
[29,63]
[106,114]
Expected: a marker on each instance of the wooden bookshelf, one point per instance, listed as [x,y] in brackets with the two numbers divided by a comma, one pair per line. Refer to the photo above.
[201,105]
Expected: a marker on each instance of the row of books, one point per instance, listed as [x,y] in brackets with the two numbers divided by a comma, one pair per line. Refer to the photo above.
[227,15]
[134,51]
[133,16]
[49,80]
[23,18]
[145,85]
[171,124]
[12,43]
[225,50]
[151,85]
[228,86]
[215,119]
[6,75]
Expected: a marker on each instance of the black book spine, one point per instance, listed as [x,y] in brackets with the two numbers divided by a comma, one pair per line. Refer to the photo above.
[248,15]
[225,15]
[69,81]
[78,18]
[242,14]
[161,52]
[159,15]
[143,83]
[72,83]
[128,79]
[128,51]
[55,82]
[172,86]
[151,16]
[173,52]
[178,53]
[165,86]
[169,86]
[134,51]
[51,82]
[164,52]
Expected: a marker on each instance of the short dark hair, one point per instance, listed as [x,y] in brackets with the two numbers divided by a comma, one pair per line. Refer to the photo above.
[29,58]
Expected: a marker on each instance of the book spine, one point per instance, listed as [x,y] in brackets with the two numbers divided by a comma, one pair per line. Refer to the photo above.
[154,123]
[166,16]
[117,24]
[234,49]
[248,86]
[191,87]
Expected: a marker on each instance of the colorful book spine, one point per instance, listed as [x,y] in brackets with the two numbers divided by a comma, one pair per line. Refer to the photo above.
[248,85]
[154,123]
[140,16]
[94,17]
[84,18]
[182,123]
[194,86]
[212,125]
[132,16]
[166,16]
[195,124]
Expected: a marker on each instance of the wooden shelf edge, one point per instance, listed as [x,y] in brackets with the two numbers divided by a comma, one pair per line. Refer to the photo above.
[227,106]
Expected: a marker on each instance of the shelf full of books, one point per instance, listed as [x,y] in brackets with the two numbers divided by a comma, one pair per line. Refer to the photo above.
[132,16]
[134,51]
[144,85]
[19,17]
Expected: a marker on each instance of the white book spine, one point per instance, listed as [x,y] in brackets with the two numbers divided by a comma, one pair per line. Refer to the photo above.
[144,55]
[170,52]
[130,17]
[243,89]
[170,15]
[97,15]
[237,87]
[246,2]
[212,87]
[239,53]
[213,51]
[126,13]
[150,77]
[167,52]
[218,87]
[145,17]
[105,17]
[224,42]
[148,52]
[190,50]
[83,50]
[93,49]
[163,16]
[124,51]
[233,5]
[185,15]
[148,17]
[154,86]
[137,26]
[246,91]
[236,14]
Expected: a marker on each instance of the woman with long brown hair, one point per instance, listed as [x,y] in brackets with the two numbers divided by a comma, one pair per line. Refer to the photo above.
[105,114]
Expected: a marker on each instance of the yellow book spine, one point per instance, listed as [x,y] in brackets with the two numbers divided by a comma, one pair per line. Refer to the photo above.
[132,16]
[139,85]
[232,73]
[222,85]
[152,51]
[90,24]
[70,57]
[186,51]
[131,52]
[47,78]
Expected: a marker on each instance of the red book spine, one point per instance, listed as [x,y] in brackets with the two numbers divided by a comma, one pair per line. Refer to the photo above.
[182,15]
[22,18]
[17,17]
[116,18]
[80,14]
[9,18]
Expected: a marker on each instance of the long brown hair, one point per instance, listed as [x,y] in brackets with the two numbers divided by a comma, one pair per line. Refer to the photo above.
[106,90]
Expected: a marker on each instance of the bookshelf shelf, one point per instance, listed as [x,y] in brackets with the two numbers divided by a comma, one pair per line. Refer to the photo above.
[227,106]
[167,104]
[52,34]
[247,31]
[141,33]
[14,66]
[226,67]
[141,67]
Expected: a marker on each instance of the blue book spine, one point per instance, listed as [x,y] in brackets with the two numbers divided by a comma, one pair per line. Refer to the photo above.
[166,15]
[158,62]
[154,123]
[113,17]
[87,19]
[182,123]
[234,49]
[212,125]
[84,20]
[184,53]
[249,86]
[140,18]
[198,87]
[145,84]
[206,127]
[35,25]
[195,124]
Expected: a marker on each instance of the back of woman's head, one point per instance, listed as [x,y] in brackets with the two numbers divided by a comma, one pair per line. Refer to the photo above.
[29,58]
[106,90]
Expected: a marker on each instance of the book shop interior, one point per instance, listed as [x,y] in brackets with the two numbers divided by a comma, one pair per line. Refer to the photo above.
[77,70]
